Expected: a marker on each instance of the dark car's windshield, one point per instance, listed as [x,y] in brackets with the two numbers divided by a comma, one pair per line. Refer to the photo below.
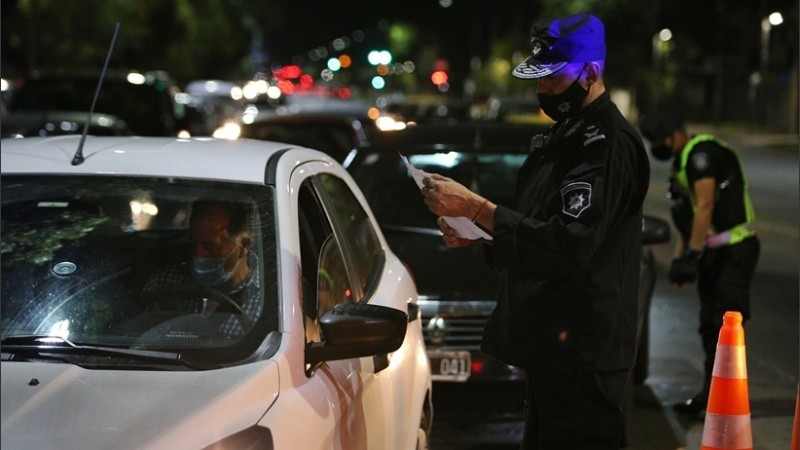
[108,262]
[395,198]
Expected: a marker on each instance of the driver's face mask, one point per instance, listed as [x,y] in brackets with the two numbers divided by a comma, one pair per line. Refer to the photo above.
[211,272]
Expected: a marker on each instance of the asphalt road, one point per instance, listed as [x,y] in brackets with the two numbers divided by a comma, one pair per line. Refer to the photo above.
[650,429]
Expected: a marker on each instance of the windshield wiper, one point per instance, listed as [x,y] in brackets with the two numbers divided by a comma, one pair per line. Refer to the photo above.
[53,344]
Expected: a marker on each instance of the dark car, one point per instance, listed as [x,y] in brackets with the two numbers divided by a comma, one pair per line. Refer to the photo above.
[439,109]
[146,102]
[55,123]
[457,290]
[336,132]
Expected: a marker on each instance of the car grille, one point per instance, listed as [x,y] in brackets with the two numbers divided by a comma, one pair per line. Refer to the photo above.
[449,324]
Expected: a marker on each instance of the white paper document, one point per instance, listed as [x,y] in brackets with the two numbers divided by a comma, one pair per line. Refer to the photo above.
[464,227]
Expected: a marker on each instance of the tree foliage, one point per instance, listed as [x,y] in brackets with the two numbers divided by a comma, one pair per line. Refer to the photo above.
[187,38]
[716,43]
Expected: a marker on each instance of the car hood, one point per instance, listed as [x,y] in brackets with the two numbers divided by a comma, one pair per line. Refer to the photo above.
[47,405]
[443,273]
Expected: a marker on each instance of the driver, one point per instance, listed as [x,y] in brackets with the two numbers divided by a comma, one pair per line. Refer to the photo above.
[221,262]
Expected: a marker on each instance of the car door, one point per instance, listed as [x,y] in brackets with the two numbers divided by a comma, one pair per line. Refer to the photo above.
[341,261]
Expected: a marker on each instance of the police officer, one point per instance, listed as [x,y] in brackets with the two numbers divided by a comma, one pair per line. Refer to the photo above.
[719,248]
[569,250]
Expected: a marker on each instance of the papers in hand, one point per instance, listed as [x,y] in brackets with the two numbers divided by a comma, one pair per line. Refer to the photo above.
[463,226]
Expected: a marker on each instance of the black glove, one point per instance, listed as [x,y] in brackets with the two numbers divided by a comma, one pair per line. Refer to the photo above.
[684,269]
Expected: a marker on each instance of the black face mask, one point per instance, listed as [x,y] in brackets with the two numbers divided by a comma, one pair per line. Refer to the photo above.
[661,152]
[566,104]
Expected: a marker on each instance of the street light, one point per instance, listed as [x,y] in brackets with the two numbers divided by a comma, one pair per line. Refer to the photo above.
[760,81]
[767,23]
[660,46]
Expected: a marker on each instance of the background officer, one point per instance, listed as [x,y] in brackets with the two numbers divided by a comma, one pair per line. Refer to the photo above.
[719,248]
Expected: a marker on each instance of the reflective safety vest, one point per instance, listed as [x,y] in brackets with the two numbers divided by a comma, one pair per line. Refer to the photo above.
[732,235]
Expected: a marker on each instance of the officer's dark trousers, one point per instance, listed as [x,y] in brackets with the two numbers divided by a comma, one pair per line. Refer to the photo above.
[723,282]
[576,410]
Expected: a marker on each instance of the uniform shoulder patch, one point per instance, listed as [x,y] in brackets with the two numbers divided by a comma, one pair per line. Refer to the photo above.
[699,161]
[576,198]
[592,134]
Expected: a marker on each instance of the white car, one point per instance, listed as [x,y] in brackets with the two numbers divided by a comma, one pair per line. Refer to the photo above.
[331,356]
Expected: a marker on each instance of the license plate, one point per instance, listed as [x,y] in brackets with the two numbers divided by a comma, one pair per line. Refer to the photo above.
[450,365]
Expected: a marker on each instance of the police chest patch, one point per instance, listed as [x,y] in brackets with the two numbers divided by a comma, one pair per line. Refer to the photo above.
[576,198]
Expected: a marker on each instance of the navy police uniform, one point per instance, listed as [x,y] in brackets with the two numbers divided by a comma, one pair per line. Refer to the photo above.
[569,257]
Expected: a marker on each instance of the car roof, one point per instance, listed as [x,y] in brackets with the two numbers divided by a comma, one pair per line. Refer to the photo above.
[477,135]
[201,158]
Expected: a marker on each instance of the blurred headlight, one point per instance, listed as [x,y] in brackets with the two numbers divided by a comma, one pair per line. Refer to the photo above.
[386,123]
[228,131]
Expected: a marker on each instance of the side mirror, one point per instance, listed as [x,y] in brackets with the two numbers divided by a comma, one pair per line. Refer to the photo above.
[355,330]
[655,230]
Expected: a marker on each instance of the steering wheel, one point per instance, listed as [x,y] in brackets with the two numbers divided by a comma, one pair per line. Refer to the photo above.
[180,297]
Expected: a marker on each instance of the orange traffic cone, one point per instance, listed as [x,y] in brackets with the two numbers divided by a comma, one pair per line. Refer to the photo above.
[727,423]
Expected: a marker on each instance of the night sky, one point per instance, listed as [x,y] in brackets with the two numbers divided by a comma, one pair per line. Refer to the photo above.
[463,28]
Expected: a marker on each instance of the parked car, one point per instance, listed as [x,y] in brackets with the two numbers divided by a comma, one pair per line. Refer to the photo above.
[516,110]
[338,133]
[214,102]
[55,123]
[147,102]
[334,359]
[457,290]
[436,109]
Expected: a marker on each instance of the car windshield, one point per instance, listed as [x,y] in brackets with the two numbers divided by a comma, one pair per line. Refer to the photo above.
[107,262]
[395,198]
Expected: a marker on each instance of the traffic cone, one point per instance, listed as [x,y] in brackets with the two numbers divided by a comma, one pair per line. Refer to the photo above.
[727,422]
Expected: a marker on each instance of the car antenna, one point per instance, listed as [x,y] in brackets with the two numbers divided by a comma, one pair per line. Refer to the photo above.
[78,158]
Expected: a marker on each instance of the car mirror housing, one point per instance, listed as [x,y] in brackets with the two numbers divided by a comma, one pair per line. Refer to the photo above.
[655,230]
[355,330]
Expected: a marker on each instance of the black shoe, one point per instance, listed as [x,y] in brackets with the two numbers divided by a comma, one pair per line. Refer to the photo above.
[694,407]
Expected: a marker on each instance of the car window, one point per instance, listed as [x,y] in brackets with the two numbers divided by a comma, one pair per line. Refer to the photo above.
[361,239]
[325,281]
[108,261]
[340,250]
[395,198]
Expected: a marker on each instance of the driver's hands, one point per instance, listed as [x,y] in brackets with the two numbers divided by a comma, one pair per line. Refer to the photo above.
[451,240]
